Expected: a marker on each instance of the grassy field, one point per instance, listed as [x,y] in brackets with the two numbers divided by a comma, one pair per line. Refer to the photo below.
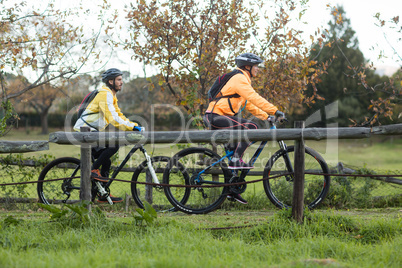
[358,238]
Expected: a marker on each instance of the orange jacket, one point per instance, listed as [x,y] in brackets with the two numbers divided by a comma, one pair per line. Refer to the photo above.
[241,84]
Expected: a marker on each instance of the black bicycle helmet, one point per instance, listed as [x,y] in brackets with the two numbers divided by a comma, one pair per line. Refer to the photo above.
[110,74]
[248,59]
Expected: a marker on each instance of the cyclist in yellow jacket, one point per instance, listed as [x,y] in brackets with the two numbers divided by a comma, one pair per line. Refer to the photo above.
[100,112]
[222,112]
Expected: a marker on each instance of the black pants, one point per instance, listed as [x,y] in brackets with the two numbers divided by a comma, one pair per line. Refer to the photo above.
[102,157]
[216,121]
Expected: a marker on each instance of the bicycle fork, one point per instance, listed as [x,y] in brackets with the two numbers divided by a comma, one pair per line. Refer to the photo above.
[286,158]
[150,166]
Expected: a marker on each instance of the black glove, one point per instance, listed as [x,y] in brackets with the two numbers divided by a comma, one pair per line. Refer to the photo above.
[279,114]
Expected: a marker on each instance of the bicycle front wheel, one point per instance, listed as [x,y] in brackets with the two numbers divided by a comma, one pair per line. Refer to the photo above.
[280,189]
[153,194]
[52,191]
[195,167]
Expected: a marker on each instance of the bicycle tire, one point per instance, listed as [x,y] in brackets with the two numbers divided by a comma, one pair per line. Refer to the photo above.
[183,168]
[280,190]
[153,194]
[53,192]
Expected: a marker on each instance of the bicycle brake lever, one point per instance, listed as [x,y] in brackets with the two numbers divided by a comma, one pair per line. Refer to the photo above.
[283,120]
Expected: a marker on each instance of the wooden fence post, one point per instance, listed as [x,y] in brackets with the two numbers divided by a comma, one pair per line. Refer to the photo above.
[85,189]
[148,188]
[298,185]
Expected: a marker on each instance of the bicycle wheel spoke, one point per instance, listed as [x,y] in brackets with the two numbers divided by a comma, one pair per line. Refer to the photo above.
[280,190]
[191,167]
[152,194]
[55,192]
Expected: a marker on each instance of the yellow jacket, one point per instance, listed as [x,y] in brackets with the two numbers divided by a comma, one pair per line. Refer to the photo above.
[241,84]
[102,111]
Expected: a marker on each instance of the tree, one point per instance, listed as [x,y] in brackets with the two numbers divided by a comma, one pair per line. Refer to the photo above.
[41,100]
[137,99]
[185,39]
[75,89]
[288,66]
[390,91]
[192,42]
[343,81]
[40,45]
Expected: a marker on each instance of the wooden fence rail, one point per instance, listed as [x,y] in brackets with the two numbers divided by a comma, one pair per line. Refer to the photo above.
[23,146]
[220,136]
[215,136]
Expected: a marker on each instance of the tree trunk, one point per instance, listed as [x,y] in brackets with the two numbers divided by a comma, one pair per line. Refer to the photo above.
[43,121]
[323,113]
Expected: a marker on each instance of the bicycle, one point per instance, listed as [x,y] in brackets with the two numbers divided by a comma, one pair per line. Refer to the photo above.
[52,191]
[195,167]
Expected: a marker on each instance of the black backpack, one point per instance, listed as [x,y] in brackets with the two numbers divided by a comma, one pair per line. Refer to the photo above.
[86,101]
[214,93]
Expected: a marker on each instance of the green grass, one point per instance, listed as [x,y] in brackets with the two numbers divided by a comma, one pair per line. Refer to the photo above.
[359,238]
[378,153]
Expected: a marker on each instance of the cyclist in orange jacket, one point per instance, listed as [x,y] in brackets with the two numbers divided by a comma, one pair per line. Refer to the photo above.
[222,112]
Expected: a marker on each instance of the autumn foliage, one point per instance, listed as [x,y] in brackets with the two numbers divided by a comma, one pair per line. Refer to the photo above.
[43,47]
[192,42]
[41,44]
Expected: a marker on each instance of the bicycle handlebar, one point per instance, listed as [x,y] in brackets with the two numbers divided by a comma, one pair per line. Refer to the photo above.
[273,120]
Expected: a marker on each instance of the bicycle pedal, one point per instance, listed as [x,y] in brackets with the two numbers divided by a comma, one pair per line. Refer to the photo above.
[230,198]
[106,198]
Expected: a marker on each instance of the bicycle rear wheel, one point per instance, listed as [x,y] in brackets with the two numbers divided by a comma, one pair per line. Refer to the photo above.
[280,190]
[54,192]
[192,166]
[153,194]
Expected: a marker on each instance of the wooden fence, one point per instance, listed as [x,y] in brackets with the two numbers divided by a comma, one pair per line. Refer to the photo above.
[87,139]
[299,134]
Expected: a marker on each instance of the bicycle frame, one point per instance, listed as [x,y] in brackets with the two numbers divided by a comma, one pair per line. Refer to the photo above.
[102,188]
[70,168]
[209,181]
[128,156]
[229,154]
